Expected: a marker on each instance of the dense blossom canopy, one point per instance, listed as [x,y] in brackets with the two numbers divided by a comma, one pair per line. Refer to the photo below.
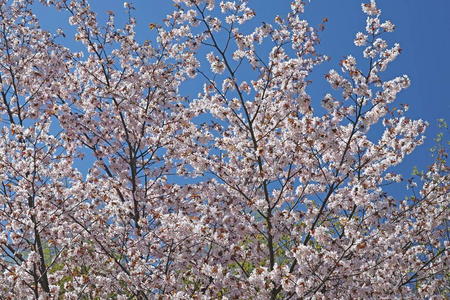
[245,189]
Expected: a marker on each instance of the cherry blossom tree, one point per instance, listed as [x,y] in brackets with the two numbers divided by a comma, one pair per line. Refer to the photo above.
[245,190]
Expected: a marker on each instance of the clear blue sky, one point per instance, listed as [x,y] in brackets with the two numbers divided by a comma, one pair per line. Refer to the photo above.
[422,29]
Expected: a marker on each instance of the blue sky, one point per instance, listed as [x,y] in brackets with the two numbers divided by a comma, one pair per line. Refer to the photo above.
[422,29]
